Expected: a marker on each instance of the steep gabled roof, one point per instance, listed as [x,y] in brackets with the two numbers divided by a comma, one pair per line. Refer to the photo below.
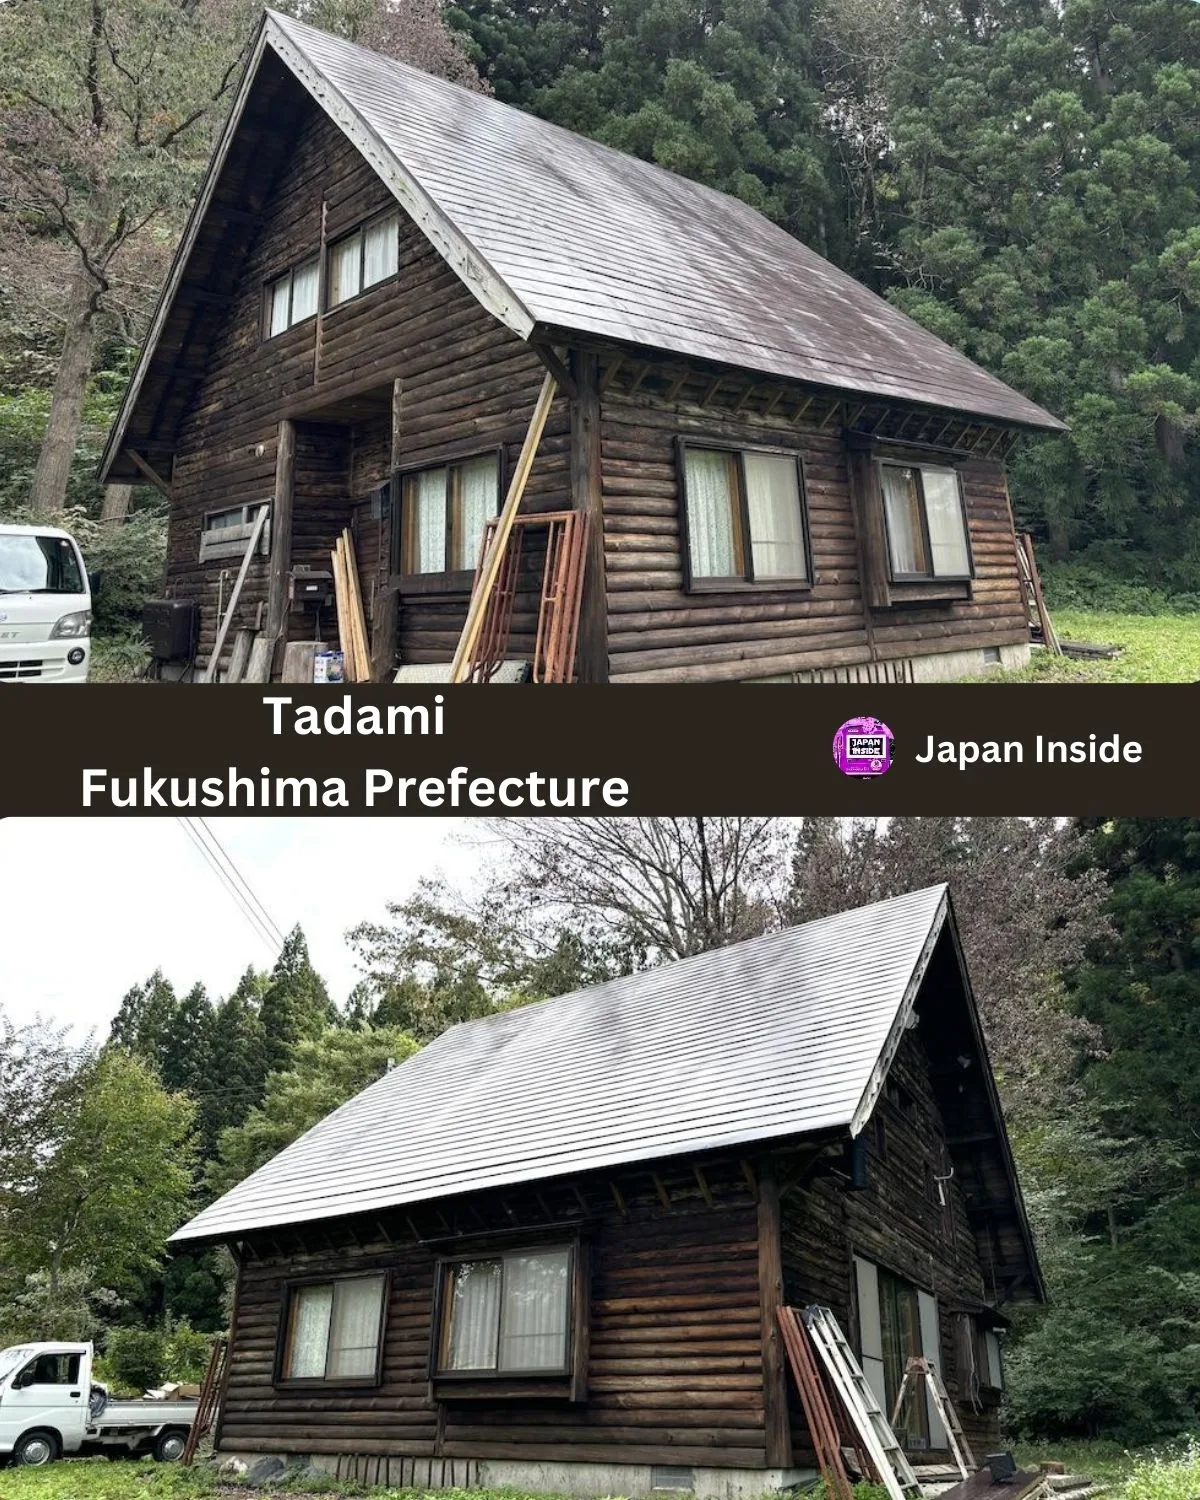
[783,1036]
[558,235]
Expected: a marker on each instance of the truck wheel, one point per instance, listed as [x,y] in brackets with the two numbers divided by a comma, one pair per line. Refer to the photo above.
[35,1449]
[169,1446]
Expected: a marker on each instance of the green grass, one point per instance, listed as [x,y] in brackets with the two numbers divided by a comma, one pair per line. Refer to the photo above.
[1157,648]
[98,1479]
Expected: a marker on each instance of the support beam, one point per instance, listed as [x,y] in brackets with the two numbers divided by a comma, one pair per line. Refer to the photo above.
[770,1300]
[150,472]
[281,532]
[587,495]
[549,358]
[385,605]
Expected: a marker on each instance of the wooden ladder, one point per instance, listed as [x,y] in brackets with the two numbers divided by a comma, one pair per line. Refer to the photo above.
[865,1413]
[822,1422]
[206,1406]
[915,1370]
[1031,587]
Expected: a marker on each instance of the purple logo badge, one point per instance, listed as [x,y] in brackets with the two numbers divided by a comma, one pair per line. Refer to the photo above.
[863,747]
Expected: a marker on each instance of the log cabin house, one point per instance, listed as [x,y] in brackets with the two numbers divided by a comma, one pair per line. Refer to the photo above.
[784,478]
[548,1249]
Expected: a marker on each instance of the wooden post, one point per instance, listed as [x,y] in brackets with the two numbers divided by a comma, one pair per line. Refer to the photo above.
[587,496]
[866,500]
[770,1300]
[490,569]
[385,605]
[281,531]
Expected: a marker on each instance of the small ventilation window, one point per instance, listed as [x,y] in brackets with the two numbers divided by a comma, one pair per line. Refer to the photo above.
[991,656]
[671,1477]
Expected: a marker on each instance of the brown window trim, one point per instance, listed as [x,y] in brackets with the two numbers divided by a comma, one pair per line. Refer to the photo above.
[747,582]
[885,459]
[320,1382]
[450,580]
[331,308]
[569,1382]
[865,454]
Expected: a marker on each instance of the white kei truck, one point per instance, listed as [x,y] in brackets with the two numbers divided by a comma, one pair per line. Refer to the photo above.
[49,1408]
[45,606]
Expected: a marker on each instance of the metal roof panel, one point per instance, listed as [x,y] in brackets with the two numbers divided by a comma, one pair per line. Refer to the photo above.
[778,1036]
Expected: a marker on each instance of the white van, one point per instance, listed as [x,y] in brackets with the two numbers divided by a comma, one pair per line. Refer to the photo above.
[45,606]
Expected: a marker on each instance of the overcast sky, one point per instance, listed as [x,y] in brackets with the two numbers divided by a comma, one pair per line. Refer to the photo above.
[91,906]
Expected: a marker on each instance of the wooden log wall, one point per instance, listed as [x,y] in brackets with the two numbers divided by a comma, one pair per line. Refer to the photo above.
[468,383]
[896,1222]
[657,632]
[674,1361]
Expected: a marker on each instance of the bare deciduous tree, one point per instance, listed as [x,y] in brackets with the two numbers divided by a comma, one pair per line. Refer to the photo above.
[671,886]
[1025,917]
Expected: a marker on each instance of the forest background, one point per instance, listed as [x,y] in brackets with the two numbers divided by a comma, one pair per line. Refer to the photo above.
[1021,176]
[1083,941]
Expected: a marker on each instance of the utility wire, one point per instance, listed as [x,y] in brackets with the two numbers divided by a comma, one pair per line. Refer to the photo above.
[227,859]
[256,922]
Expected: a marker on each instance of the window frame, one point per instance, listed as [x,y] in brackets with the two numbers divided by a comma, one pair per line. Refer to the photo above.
[450,580]
[283,1381]
[268,298]
[892,461]
[746,581]
[230,541]
[360,229]
[577,1313]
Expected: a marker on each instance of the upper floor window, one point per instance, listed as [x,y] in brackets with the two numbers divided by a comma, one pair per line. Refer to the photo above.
[506,1314]
[444,510]
[334,1330]
[925,521]
[291,298]
[744,516]
[363,259]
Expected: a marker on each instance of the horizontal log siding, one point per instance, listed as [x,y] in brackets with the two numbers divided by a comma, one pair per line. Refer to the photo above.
[674,1371]
[659,633]
[467,380]
[896,1223]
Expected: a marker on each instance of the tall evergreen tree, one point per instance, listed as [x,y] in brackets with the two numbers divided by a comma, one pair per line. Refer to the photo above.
[1039,209]
[295,1004]
[722,91]
[144,1018]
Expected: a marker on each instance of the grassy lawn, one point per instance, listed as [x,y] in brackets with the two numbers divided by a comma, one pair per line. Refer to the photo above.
[1158,648]
[1142,1475]
[98,1479]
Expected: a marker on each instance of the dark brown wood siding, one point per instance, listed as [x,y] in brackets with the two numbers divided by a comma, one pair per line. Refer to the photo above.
[659,632]
[896,1222]
[674,1363]
[468,381]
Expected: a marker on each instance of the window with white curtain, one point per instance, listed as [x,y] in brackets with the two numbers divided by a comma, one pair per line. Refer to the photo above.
[445,511]
[506,1314]
[290,299]
[334,1329]
[745,516]
[363,259]
[925,522]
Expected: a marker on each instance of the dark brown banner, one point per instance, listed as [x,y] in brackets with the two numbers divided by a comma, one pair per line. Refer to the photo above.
[740,749]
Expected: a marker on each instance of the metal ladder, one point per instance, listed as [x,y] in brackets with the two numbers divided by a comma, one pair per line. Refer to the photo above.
[845,1373]
[960,1449]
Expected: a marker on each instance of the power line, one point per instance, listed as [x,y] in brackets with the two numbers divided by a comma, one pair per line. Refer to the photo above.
[256,922]
[227,859]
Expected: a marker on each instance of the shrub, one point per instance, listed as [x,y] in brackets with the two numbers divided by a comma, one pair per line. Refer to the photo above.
[1165,1477]
[136,1357]
[187,1353]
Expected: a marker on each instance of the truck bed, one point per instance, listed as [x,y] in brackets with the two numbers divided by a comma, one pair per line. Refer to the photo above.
[142,1413]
